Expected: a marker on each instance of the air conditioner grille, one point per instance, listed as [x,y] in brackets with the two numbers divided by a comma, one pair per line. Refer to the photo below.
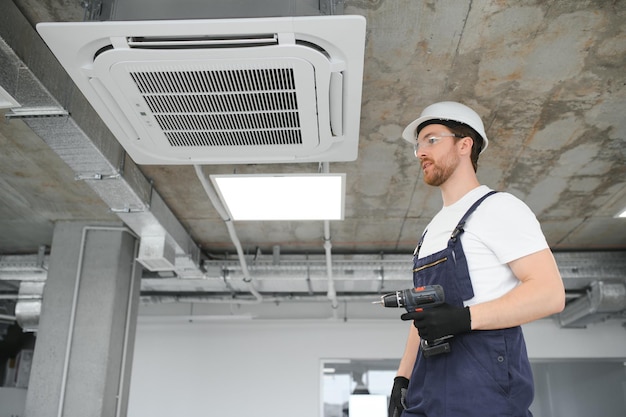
[239,107]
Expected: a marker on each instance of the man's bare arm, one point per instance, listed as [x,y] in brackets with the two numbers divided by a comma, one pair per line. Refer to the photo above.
[540,294]
[410,353]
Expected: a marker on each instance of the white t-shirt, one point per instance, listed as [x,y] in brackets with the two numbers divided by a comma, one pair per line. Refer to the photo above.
[502,229]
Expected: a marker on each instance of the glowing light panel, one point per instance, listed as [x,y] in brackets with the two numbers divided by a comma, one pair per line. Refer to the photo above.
[283,196]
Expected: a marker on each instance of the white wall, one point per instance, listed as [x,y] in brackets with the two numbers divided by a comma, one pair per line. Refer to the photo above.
[272,368]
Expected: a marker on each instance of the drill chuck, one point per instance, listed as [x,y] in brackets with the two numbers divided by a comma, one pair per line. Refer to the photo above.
[414,298]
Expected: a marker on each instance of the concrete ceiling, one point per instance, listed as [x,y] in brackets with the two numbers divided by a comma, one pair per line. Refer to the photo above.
[547,77]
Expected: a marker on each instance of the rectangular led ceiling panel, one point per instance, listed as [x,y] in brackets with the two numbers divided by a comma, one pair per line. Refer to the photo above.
[282,196]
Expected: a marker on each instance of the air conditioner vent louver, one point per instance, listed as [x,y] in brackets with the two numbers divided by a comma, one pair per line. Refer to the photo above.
[161,42]
[223,108]
[263,90]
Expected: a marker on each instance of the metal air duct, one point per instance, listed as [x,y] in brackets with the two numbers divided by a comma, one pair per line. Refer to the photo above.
[601,301]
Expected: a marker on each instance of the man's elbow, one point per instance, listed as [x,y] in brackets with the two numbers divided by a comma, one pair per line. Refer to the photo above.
[558,305]
[557,300]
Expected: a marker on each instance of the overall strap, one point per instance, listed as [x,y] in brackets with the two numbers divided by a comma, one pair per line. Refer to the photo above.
[416,252]
[459,227]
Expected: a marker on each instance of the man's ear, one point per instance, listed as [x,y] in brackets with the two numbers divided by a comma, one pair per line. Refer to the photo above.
[466,144]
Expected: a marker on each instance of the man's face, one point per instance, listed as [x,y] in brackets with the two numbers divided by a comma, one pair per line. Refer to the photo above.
[437,154]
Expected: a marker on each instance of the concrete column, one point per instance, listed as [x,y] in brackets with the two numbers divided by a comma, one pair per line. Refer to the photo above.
[83,353]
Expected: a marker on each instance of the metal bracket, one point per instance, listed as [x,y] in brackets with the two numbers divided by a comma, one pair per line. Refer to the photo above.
[331,7]
[127,210]
[92,8]
[96,176]
[31,112]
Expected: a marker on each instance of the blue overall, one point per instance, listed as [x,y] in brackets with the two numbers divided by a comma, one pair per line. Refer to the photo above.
[486,373]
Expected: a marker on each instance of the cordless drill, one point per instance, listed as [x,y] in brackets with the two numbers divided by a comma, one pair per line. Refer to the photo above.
[415,299]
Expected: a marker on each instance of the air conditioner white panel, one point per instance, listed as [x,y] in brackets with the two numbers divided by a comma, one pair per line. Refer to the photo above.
[221,91]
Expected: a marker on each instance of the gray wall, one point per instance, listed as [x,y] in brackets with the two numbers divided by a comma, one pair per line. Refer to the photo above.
[580,388]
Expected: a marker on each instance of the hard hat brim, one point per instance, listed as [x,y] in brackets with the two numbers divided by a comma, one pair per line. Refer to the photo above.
[409,133]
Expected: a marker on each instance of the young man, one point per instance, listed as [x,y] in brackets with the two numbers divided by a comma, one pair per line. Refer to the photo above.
[489,254]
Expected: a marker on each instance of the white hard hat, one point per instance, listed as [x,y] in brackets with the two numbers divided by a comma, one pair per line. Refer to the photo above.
[447,110]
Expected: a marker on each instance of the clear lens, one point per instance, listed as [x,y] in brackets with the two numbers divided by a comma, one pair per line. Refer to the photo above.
[431,140]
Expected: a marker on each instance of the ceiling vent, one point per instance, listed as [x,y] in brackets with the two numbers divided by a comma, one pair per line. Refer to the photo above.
[221,91]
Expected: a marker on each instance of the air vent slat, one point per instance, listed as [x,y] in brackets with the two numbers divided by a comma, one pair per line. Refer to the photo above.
[234,138]
[236,80]
[193,103]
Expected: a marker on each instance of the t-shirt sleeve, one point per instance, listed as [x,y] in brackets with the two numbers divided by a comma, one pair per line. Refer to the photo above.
[511,229]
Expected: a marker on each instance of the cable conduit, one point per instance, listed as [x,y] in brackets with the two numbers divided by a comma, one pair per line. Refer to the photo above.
[332,293]
[217,204]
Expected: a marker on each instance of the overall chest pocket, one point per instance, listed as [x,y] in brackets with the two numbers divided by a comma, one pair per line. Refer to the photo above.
[429,265]
[432,271]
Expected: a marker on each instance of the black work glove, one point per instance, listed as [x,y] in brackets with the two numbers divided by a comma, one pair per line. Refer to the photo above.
[398,394]
[443,320]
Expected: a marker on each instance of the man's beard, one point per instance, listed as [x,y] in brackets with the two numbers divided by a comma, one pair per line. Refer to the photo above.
[441,172]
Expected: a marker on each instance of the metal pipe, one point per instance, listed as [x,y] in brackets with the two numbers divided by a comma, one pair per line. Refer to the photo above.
[163,299]
[23,276]
[20,297]
[332,293]
[9,297]
[400,263]
[217,204]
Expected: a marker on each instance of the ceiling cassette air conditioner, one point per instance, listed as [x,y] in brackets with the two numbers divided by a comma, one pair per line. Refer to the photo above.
[221,91]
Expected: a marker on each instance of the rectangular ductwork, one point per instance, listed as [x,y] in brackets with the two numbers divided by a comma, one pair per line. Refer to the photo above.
[156,253]
[218,91]
[602,300]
